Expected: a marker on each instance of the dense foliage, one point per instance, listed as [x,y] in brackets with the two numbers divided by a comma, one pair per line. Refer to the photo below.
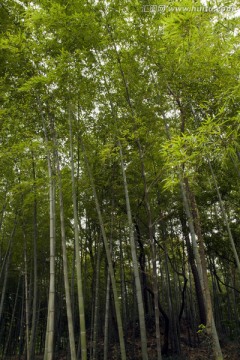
[119,138]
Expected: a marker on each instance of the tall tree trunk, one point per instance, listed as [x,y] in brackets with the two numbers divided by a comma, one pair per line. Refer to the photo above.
[107,307]
[106,323]
[49,342]
[109,260]
[173,320]
[135,263]
[65,265]
[21,327]
[35,273]
[27,316]
[123,286]
[96,306]
[193,221]
[153,257]
[77,254]
[5,351]
[198,288]
[49,338]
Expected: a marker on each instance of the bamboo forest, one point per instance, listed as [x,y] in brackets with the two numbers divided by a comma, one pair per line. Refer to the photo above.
[119,180]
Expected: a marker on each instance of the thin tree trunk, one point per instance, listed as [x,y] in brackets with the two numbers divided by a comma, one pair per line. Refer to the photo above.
[202,268]
[174,334]
[21,327]
[135,263]
[107,307]
[123,286]
[106,323]
[35,274]
[12,320]
[83,341]
[96,306]
[49,342]
[26,298]
[65,265]
[153,258]
[109,260]
[198,287]
[49,338]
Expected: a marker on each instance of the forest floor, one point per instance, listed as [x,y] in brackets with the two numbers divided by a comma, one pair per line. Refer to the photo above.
[230,349]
